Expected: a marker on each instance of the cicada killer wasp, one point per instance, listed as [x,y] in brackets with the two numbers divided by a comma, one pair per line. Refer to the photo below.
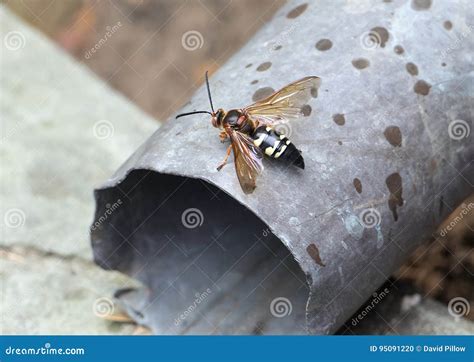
[252,132]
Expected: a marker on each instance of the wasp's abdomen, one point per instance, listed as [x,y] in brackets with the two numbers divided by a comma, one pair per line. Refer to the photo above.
[277,145]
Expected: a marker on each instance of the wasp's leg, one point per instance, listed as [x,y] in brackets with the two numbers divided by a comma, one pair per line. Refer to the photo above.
[222,164]
[223,136]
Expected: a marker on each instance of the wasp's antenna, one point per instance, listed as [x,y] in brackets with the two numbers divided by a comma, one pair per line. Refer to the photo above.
[189,113]
[209,92]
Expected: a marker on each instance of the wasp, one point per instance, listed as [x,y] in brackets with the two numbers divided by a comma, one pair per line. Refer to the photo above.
[252,132]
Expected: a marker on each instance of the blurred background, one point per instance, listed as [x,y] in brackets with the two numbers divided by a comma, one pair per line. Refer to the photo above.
[156,52]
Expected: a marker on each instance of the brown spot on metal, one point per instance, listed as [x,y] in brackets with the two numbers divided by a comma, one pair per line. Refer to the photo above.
[360,63]
[448,25]
[422,87]
[358,185]
[381,35]
[306,110]
[314,92]
[412,68]
[339,119]
[262,93]
[393,136]
[278,47]
[443,64]
[324,44]
[313,252]
[297,11]
[254,81]
[420,5]
[394,184]
[398,49]
[248,65]
[339,143]
[264,66]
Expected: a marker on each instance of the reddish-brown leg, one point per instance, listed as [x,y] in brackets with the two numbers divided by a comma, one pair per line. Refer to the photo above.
[222,164]
[223,136]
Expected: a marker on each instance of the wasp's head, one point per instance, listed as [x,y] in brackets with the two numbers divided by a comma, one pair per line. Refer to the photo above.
[217,118]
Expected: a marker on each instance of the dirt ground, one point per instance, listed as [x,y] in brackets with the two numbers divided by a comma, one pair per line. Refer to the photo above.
[156,53]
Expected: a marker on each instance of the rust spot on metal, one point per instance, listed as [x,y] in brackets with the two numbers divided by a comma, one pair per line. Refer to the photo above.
[262,93]
[248,65]
[420,5]
[254,81]
[264,66]
[448,25]
[313,252]
[394,185]
[393,136]
[398,49]
[360,63]
[358,185]
[411,68]
[422,87]
[297,11]
[339,119]
[306,110]
[382,35]
[324,44]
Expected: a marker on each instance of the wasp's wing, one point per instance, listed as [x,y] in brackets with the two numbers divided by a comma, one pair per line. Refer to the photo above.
[284,104]
[248,160]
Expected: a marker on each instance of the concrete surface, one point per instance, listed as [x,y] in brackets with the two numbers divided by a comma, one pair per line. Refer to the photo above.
[63,131]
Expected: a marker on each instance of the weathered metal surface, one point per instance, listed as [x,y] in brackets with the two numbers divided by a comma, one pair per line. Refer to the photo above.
[388,153]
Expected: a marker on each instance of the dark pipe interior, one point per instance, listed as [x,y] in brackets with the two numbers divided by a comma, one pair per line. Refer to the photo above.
[222,248]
